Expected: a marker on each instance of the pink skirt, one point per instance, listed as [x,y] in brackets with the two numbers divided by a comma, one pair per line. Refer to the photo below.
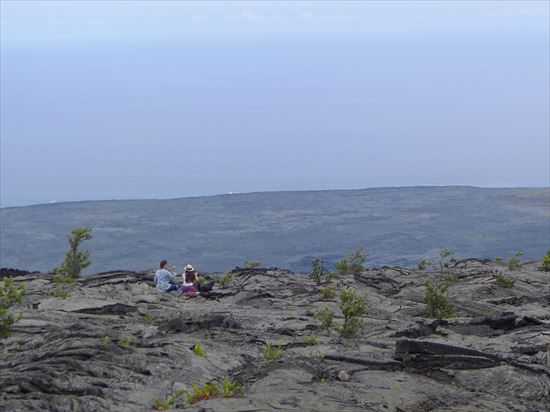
[189,290]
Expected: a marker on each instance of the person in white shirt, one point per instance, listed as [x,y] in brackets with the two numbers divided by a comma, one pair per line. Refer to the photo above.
[163,277]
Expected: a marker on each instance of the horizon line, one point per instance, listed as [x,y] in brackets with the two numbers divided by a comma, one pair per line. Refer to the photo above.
[271,191]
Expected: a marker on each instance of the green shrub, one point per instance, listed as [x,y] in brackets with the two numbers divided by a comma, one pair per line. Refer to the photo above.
[353,263]
[251,264]
[545,264]
[231,389]
[61,293]
[199,350]
[163,406]
[312,339]
[423,264]
[9,295]
[210,391]
[76,260]
[505,281]
[328,292]
[325,317]
[271,352]
[352,307]
[148,318]
[318,270]
[446,257]
[513,260]
[60,279]
[125,341]
[499,260]
[225,279]
[106,340]
[437,301]
[450,278]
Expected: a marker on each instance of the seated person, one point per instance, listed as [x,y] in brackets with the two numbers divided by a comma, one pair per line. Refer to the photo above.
[163,277]
[191,278]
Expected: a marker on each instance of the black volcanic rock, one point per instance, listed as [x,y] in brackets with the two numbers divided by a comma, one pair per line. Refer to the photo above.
[114,344]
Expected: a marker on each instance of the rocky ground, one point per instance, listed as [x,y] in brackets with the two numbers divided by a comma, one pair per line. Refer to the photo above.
[110,342]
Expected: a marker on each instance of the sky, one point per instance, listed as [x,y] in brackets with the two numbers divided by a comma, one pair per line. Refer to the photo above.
[125,100]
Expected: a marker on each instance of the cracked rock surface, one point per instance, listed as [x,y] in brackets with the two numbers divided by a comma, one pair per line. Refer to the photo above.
[114,344]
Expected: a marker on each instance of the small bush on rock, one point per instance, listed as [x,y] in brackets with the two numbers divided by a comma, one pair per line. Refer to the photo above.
[163,406]
[76,260]
[9,295]
[148,318]
[437,301]
[505,281]
[423,264]
[231,389]
[545,264]
[352,308]
[353,263]
[199,350]
[328,292]
[125,341]
[312,339]
[446,257]
[271,352]
[513,260]
[225,279]
[325,317]
[62,294]
[450,278]
[251,264]
[318,270]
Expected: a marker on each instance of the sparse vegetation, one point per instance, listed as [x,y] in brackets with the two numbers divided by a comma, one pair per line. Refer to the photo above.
[318,270]
[148,318]
[499,260]
[352,308]
[271,352]
[505,281]
[446,257]
[10,294]
[225,279]
[312,339]
[231,389]
[424,264]
[201,393]
[325,317]
[61,293]
[61,279]
[199,350]
[125,341]
[437,301]
[450,278]
[75,260]
[513,260]
[163,406]
[328,292]
[251,264]
[106,340]
[353,263]
[545,264]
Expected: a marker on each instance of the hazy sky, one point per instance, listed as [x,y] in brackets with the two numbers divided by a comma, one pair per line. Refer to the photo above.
[104,100]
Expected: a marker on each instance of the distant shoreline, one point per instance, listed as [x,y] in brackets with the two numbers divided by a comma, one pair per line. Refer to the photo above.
[276,192]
